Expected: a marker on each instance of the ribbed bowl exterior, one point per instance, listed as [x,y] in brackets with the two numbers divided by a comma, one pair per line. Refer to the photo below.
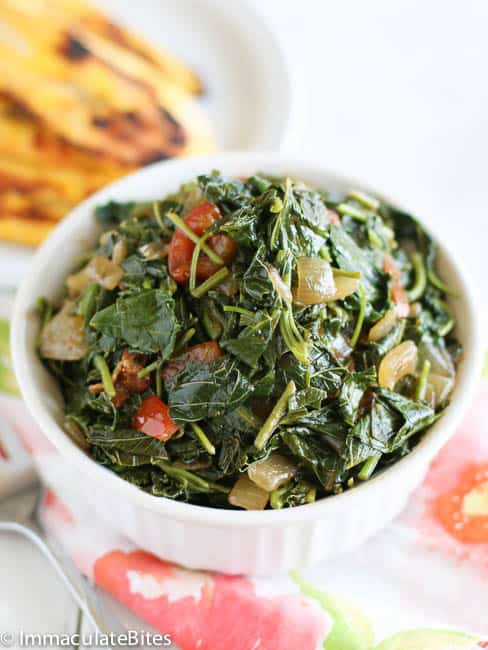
[254,550]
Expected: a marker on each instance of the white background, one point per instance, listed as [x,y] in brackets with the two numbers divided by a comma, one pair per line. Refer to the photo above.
[397,95]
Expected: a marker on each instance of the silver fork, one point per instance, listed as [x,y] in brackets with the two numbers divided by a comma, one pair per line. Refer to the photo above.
[19,510]
[19,514]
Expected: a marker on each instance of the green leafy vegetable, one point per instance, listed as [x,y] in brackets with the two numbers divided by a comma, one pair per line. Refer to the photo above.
[213,336]
[145,322]
[207,390]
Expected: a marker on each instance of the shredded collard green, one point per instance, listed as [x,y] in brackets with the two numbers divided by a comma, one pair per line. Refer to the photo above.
[257,325]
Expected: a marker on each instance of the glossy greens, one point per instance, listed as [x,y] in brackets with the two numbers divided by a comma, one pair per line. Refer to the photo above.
[252,332]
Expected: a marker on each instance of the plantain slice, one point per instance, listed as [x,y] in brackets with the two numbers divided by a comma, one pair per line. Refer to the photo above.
[24,230]
[82,102]
[91,19]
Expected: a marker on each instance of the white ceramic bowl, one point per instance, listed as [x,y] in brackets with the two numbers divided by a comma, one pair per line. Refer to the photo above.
[224,540]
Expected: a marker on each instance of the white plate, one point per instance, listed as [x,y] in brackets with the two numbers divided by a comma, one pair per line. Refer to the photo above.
[251,96]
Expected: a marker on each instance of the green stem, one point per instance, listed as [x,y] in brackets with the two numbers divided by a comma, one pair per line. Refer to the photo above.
[194,261]
[369,467]
[280,216]
[191,478]
[275,416]
[351,211]
[439,284]
[422,380]
[159,384]
[324,253]
[364,199]
[445,329]
[201,435]
[101,366]
[360,320]
[184,339]
[346,274]
[159,219]
[158,215]
[45,311]
[152,366]
[276,206]
[311,495]
[239,310]
[211,323]
[276,498]
[247,316]
[181,225]
[295,344]
[87,304]
[210,282]
[420,282]
[374,238]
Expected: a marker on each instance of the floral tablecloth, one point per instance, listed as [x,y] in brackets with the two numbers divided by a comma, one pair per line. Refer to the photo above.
[421,584]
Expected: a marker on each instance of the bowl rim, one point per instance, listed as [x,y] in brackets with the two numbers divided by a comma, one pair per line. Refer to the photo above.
[32,394]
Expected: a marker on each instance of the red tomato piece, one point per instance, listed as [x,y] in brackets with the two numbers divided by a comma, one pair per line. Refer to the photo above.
[450,507]
[125,377]
[333,217]
[398,293]
[153,418]
[204,352]
[181,247]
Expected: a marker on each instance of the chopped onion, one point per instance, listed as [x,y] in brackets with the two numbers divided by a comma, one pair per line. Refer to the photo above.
[281,288]
[438,389]
[192,199]
[119,252]
[155,250]
[381,328]
[77,282]
[63,337]
[246,494]
[344,287]
[397,363]
[315,281]
[318,284]
[272,472]
[99,269]
[106,236]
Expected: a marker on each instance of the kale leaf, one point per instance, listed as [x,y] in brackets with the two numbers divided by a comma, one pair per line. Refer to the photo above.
[204,390]
[145,322]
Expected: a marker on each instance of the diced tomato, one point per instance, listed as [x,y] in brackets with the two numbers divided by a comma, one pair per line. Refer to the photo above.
[467,524]
[181,247]
[398,293]
[125,377]
[204,352]
[153,418]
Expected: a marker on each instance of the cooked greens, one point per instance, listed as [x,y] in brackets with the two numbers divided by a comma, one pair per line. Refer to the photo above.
[252,342]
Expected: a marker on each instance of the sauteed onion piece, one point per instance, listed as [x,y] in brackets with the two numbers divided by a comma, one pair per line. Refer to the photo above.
[99,269]
[246,494]
[272,472]
[381,328]
[318,284]
[63,337]
[397,363]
